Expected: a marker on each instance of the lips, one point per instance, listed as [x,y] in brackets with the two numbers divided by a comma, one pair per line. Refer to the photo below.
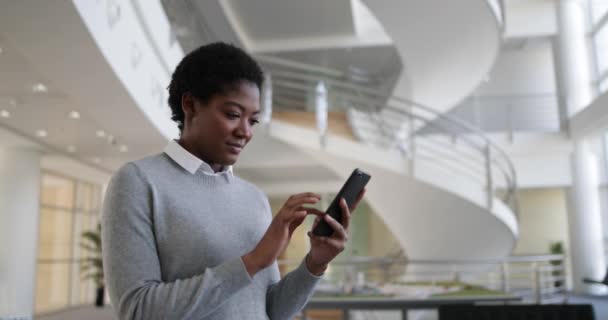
[235,148]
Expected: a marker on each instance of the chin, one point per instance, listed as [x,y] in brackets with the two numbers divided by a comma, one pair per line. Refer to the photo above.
[230,160]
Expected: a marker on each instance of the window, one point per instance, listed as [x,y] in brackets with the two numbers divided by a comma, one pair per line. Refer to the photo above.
[599,41]
[599,8]
[67,208]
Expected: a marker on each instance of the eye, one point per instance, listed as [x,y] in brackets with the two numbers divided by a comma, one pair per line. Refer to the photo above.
[253,122]
[232,115]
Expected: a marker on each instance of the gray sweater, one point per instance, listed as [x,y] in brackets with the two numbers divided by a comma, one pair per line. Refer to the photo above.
[173,241]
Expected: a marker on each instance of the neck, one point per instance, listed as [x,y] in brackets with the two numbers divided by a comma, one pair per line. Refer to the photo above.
[190,148]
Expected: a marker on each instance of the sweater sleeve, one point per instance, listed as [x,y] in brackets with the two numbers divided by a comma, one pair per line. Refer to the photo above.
[132,268]
[285,298]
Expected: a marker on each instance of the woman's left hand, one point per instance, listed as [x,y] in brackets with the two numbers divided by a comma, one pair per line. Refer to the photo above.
[325,249]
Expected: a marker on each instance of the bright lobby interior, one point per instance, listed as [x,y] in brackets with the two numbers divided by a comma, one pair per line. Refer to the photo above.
[484,124]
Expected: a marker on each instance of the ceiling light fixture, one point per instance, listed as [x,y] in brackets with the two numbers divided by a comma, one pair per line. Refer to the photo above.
[97,160]
[123,148]
[40,88]
[42,133]
[74,115]
[5,114]
[100,133]
[71,149]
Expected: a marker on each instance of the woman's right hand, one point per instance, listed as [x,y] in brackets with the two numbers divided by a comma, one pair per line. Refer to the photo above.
[276,238]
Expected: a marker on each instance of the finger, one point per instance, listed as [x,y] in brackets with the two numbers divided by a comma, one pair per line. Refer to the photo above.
[317,238]
[296,221]
[304,195]
[299,214]
[316,222]
[300,199]
[339,231]
[345,214]
[308,211]
[302,212]
[315,211]
[334,243]
[359,197]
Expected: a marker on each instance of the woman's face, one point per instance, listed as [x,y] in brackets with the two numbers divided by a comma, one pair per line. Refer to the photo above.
[217,131]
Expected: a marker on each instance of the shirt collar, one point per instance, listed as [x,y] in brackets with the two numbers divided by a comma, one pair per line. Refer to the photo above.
[191,162]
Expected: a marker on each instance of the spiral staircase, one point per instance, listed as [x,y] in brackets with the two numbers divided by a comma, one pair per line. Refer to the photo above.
[449,194]
[446,193]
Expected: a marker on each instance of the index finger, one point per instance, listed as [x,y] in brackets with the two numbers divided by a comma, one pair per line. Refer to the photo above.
[302,198]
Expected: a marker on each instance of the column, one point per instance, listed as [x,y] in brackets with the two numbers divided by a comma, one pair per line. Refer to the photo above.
[19,211]
[573,65]
[585,221]
[574,80]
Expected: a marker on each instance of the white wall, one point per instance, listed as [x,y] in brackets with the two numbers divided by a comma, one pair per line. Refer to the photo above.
[542,160]
[528,70]
[543,220]
[530,18]
[519,93]
[19,211]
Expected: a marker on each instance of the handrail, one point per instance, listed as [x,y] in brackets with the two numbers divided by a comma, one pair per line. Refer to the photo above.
[515,113]
[303,77]
[534,278]
[498,5]
[402,260]
[440,116]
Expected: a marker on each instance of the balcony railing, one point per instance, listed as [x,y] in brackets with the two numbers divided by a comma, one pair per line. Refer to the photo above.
[510,114]
[534,279]
[420,133]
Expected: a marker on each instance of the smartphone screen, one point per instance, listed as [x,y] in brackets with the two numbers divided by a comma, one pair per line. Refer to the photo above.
[349,191]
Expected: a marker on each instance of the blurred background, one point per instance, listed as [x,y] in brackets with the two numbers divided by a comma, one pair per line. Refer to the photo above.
[483,123]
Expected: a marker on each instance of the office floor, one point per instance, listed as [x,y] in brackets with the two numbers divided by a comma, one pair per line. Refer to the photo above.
[81,313]
[600,305]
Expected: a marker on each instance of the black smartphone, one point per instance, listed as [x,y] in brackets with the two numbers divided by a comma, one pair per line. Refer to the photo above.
[349,191]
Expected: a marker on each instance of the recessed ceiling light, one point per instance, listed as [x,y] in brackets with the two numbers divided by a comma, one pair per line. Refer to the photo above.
[100,133]
[97,160]
[42,133]
[123,148]
[74,115]
[71,149]
[5,114]
[40,88]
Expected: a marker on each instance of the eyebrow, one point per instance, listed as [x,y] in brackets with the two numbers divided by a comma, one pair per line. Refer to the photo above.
[243,109]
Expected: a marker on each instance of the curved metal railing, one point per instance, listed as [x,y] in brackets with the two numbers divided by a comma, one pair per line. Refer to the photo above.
[454,148]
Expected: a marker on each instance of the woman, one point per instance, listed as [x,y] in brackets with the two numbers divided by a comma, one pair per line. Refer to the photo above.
[183,237]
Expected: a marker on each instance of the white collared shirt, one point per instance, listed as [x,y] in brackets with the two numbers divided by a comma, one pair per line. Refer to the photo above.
[191,162]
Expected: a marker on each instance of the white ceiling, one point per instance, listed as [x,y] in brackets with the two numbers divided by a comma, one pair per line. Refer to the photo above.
[46,42]
[292,18]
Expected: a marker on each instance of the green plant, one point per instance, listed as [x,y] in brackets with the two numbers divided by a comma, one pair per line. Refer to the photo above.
[92,266]
[556,247]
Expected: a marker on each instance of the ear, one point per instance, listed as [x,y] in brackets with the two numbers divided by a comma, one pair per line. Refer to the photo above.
[188,106]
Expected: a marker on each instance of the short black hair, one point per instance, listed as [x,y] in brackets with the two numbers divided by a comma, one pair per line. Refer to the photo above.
[210,70]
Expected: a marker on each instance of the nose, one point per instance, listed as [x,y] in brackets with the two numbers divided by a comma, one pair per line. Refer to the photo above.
[244,130]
